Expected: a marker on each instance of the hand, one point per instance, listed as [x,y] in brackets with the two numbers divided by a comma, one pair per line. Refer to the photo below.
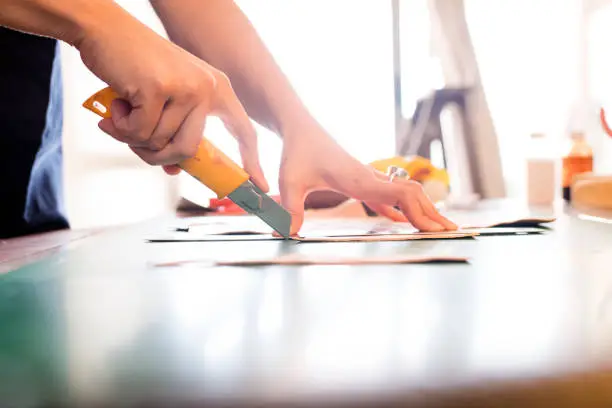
[166,95]
[312,160]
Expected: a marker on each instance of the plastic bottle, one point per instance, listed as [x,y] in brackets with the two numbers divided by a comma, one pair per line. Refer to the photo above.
[541,171]
[577,160]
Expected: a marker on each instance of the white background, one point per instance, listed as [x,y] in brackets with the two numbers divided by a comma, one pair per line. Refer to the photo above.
[338,55]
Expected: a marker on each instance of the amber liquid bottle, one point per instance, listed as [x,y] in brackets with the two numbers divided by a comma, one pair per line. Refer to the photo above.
[578,160]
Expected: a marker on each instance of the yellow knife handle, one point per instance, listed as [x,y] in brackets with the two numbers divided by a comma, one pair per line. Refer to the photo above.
[210,165]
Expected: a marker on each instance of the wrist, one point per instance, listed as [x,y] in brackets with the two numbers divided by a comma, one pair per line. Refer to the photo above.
[91,20]
[293,121]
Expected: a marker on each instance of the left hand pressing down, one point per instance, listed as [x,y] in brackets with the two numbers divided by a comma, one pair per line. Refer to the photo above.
[312,160]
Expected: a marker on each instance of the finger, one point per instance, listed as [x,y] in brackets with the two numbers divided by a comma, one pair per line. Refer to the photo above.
[292,200]
[185,143]
[430,210]
[107,126]
[135,124]
[387,211]
[413,211]
[373,189]
[416,190]
[119,108]
[249,154]
[411,207]
[234,117]
[172,170]
[172,118]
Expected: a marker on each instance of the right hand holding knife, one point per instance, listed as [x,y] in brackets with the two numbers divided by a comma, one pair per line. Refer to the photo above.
[165,95]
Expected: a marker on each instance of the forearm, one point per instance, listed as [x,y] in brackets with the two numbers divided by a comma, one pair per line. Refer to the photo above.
[66,20]
[218,32]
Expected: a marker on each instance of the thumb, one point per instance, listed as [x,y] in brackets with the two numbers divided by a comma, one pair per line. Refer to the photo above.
[172,169]
[292,200]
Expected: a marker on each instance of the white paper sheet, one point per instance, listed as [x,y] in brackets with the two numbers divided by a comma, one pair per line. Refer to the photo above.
[369,229]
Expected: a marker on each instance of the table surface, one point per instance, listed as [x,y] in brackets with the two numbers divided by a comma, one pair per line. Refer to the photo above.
[94,322]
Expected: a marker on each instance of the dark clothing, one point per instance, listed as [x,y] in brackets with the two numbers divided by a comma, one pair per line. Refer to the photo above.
[30,135]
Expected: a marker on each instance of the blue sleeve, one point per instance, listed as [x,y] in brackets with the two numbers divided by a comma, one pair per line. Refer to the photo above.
[44,202]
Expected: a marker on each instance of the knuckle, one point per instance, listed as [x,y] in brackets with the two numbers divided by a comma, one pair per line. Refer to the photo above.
[192,89]
[131,92]
[414,186]
[157,144]
[131,133]
[140,135]
[207,80]
[222,79]
[160,87]
[198,88]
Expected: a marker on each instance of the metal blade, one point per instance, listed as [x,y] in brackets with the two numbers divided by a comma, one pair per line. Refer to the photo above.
[254,201]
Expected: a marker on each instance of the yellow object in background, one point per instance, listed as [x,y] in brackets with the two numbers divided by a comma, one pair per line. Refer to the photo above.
[384,164]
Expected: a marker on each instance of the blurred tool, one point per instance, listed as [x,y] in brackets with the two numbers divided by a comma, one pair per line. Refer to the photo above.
[216,171]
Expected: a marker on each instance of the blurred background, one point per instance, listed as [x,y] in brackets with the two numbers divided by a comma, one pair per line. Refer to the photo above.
[533,66]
